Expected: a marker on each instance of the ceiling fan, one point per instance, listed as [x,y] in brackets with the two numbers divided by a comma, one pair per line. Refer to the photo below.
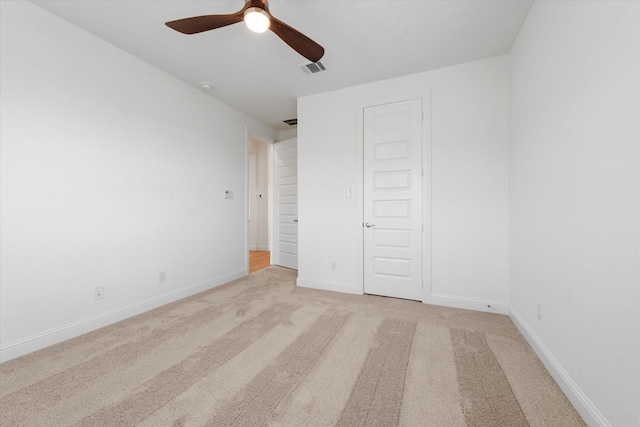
[256,15]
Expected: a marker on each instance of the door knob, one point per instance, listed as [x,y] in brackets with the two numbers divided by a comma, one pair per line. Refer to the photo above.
[369,225]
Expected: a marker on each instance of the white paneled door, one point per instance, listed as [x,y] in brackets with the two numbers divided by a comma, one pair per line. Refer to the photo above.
[392,199]
[285,248]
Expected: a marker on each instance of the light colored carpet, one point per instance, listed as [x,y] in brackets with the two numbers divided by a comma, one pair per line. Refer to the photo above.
[259,351]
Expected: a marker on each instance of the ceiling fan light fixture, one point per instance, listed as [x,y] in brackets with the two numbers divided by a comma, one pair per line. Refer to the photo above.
[257,19]
[256,15]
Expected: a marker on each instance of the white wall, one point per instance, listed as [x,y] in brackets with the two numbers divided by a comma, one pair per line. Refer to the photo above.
[468,172]
[259,196]
[112,171]
[286,134]
[575,200]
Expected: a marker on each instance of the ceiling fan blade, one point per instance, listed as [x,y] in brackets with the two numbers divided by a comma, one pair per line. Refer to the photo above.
[198,24]
[298,41]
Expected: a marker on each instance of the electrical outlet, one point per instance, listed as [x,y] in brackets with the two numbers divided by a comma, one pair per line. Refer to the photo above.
[162,277]
[98,292]
[539,311]
[332,265]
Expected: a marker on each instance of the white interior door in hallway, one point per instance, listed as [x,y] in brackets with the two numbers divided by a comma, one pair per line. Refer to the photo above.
[392,199]
[285,247]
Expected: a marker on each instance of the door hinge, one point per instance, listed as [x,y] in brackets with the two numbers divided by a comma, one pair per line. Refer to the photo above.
[422,172]
[422,116]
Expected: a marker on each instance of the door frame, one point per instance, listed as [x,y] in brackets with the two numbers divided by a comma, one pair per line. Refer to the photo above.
[425,96]
[251,133]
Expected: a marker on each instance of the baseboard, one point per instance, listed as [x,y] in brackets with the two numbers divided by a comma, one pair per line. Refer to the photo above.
[324,285]
[475,304]
[259,248]
[56,335]
[589,412]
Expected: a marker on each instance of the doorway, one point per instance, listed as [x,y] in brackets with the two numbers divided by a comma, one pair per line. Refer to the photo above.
[280,201]
[259,200]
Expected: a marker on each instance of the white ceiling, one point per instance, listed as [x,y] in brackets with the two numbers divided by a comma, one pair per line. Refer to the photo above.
[364,41]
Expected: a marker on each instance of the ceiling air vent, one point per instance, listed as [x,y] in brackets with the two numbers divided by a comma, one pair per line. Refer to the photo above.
[291,122]
[313,68]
